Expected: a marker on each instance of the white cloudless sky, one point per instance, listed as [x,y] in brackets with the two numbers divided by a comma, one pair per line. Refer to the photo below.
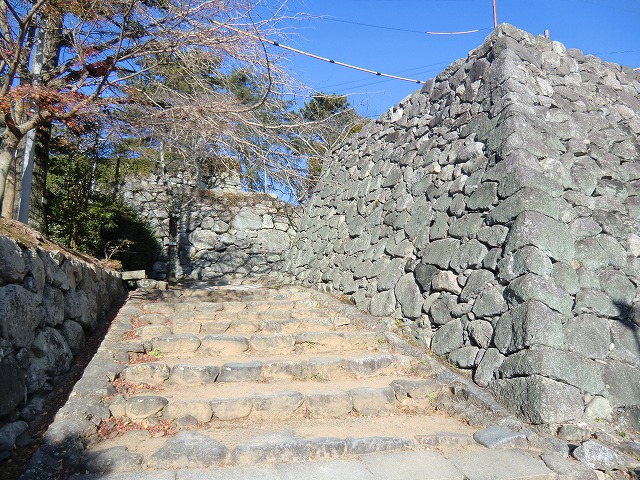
[370,34]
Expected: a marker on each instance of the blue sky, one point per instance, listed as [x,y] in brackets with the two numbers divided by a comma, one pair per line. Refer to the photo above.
[609,29]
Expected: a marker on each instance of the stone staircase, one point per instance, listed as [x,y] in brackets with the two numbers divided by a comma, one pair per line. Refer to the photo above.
[244,382]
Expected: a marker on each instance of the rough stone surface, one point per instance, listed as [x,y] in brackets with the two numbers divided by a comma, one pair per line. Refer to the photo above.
[597,456]
[188,450]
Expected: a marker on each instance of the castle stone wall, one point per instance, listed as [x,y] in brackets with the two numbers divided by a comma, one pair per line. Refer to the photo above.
[496,213]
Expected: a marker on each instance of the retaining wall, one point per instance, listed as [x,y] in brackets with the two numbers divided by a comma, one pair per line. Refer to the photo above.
[496,212]
[220,233]
[49,301]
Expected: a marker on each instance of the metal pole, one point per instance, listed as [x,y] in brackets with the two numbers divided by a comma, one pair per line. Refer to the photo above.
[495,15]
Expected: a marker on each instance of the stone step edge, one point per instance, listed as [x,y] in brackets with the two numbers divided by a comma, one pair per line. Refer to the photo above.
[268,449]
[213,327]
[361,401]
[159,373]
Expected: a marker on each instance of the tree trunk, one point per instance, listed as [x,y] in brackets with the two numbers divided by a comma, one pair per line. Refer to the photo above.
[37,212]
[7,157]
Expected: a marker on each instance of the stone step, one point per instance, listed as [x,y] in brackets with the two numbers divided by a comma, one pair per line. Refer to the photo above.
[205,325]
[316,342]
[276,401]
[243,443]
[199,371]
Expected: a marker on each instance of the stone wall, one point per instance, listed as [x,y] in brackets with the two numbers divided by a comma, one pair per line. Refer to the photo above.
[49,301]
[219,232]
[496,212]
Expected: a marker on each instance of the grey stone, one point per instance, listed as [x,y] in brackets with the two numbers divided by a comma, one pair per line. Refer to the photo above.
[596,302]
[21,312]
[368,365]
[329,403]
[271,448]
[151,373]
[240,371]
[527,259]
[625,337]
[556,364]
[225,344]
[490,303]
[623,384]
[568,469]
[597,456]
[528,324]
[194,374]
[409,297]
[418,389]
[278,403]
[493,236]
[232,408]
[565,277]
[439,252]
[464,357]
[247,219]
[257,472]
[145,406]
[445,281]
[507,464]
[476,283]
[598,408]
[466,226]
[383,303]
[182,343]
[488,367]
[483,197]
[189,412]
[364,445]
[12,263]
[9,433]
[600,251]
[480,332]
[470,254]
[617,287]
[114,459]
[525,200]
[327,447]
[443,439]
[550,236]
[447,338]
[188,450]
[389,278]
[441,310]
[496,436]
[322,470]
[534,287]
[424,274]
[372,401]
[73,335]
[425,465]
[539,399]
[51,352]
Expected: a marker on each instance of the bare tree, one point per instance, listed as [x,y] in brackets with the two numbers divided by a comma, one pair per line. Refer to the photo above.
[106,44]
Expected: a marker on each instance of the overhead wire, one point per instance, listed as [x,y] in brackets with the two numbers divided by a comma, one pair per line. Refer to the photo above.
[312,55]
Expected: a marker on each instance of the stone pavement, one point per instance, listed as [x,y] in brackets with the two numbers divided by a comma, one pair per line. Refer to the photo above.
[241,382]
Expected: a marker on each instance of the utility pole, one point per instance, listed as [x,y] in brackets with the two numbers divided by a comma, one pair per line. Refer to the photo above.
[30,144]
[495,15]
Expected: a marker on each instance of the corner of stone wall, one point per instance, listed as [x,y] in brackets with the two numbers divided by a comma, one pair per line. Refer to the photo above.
[491,213]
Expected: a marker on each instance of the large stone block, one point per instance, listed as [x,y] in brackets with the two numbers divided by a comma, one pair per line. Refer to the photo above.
[447,338]
[12,379]
[558,365]
[623,384]
[528,324]
[12,264]
[21,312]
[551,236]
[535,287]
[527,199]
[538,399]
[587,335]
[409,296]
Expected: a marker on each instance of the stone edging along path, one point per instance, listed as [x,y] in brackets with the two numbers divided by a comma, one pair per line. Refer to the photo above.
[190,317]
